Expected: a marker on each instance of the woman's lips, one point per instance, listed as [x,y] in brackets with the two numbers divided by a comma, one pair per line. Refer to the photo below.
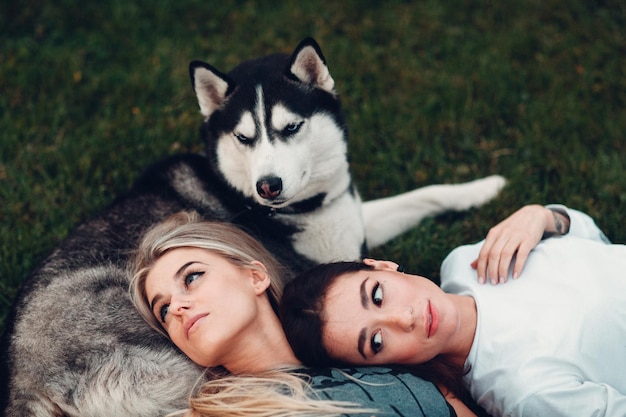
[432,320]
[190,324]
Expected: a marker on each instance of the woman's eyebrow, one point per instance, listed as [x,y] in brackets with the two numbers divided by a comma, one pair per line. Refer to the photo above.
[177,276]
[361,344]
[154,301]
[364,297]
[180,271]
[365,302]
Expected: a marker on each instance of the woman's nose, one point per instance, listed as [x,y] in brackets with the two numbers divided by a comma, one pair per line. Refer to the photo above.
[402,318]
[179,304]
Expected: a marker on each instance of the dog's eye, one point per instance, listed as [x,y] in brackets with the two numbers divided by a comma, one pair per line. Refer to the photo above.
[242,138]
[292,128]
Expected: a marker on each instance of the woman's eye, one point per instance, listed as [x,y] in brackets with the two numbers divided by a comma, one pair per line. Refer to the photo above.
[191,277]
[377,295]
[165,308]
[377,342]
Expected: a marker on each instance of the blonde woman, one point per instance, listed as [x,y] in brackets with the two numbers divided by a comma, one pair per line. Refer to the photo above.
[213,290]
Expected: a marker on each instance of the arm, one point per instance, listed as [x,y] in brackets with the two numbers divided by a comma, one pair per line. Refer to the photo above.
[581,224]
[522,231]
[516,236]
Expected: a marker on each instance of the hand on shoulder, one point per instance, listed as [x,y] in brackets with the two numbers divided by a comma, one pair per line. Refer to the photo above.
[514,237]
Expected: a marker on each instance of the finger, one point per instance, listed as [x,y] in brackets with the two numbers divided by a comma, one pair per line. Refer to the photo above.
[492,266]
[495,257]
[506,257]
[485,252]
[522,256]
[481,262]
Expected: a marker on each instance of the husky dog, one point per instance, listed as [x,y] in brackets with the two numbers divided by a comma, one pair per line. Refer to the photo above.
[276,165]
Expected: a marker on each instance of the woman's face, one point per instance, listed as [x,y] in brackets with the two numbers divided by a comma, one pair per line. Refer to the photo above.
[204,302]
[384,317]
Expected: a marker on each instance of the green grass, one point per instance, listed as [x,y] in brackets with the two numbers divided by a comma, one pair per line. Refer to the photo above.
[434,91]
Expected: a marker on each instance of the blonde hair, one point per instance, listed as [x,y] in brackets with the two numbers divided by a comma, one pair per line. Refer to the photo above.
[275,393]
[271,393]
[187,229]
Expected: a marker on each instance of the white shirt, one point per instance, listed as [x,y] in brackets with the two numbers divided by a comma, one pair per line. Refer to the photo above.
[553,342]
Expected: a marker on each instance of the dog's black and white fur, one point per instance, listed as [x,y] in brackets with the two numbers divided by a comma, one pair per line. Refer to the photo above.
[276,165]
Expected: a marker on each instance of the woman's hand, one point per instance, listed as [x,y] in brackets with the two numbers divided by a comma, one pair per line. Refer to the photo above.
[517,235]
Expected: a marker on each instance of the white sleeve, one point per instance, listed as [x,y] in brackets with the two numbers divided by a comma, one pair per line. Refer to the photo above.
[581,225]
[581,399]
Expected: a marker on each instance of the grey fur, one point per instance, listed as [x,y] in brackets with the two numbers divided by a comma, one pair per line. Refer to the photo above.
[75,345]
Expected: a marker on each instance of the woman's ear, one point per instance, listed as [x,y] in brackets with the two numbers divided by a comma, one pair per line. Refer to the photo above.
[261,280]
[381,265]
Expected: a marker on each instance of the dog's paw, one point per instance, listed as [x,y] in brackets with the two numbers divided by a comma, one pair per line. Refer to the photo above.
[492,184]
[484,189]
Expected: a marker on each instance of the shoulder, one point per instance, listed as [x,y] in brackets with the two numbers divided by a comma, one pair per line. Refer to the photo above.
[393,391]
[456,270]
[463,254]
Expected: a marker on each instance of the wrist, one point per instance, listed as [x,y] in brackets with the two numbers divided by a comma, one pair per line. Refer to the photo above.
[559,223]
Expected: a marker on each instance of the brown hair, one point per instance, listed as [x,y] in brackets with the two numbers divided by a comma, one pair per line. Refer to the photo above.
[301,313]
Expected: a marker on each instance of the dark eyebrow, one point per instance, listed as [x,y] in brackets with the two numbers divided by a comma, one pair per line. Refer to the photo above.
[154,301]
[362,337]
[364,297]
[177,275]
[365,302]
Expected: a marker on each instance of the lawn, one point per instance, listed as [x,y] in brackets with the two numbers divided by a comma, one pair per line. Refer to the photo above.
[433,91]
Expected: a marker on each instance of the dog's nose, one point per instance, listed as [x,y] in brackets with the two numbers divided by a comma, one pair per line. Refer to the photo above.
[269,187]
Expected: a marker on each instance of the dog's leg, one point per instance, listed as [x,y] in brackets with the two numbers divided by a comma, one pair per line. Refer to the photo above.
[387,218]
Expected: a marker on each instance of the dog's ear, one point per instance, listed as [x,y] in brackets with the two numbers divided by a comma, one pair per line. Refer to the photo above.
[211,87]
[308,65]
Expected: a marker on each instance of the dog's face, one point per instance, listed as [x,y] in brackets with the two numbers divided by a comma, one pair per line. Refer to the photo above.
[274,127]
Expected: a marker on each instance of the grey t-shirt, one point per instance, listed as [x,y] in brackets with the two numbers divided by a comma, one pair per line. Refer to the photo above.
[393,392]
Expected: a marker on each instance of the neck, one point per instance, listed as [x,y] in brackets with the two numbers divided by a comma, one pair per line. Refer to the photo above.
[468,317]
[263,348]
